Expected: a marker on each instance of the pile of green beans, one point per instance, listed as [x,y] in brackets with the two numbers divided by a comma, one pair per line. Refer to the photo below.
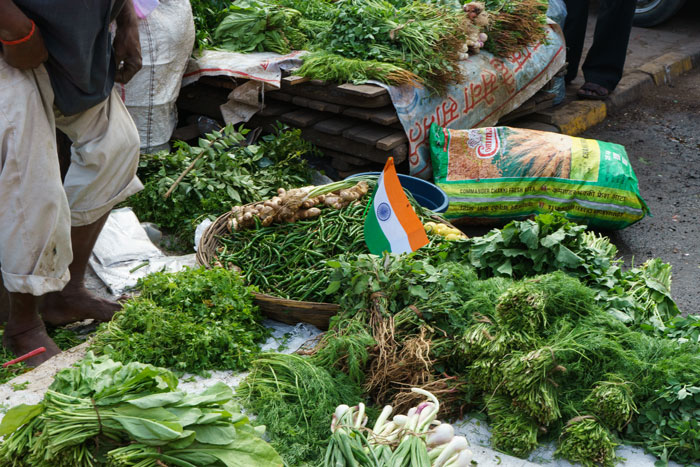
[288,260]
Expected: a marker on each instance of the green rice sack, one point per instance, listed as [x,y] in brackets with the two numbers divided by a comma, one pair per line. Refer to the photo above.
[499,174]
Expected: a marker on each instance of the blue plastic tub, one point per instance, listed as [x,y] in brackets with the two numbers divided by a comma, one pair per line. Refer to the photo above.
[427,194]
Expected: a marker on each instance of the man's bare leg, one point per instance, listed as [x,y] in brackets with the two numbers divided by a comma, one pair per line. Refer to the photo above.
[75,302]
[4,303]
[25,330]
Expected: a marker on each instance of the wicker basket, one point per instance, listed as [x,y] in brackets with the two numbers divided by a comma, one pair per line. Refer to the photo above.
[279,309]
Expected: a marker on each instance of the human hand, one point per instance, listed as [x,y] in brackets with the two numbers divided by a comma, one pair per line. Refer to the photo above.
[23,46]
[127,48]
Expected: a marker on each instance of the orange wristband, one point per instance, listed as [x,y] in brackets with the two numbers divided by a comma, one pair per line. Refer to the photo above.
[24,39]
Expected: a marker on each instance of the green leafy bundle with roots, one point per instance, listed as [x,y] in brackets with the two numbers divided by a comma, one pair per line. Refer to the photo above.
[511,431]
[529,379]
[586,441]
[613,403]
[515,24]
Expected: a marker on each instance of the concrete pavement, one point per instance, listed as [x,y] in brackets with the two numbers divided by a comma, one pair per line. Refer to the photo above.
[655,57]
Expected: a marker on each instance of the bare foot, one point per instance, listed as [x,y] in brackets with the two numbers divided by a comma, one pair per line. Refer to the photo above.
[76,304]
[30,339]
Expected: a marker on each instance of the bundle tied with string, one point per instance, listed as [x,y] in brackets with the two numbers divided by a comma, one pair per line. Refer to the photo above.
[584,439]
[392,361]
[395,362]
[529,379]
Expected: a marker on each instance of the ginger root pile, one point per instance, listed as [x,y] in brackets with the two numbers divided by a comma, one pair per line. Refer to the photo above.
[292,205]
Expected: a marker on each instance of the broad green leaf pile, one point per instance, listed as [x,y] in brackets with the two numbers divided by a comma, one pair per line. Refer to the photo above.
[550,242]
[255,26]
[194,320]
[102,412]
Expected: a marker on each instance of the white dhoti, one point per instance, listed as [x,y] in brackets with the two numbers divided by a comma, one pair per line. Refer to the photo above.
[36,209]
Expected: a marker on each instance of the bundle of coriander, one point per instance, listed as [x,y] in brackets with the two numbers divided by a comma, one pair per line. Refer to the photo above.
[194,320]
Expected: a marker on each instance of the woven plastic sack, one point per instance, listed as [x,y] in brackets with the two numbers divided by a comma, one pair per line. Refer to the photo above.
[166,37]
[498,174]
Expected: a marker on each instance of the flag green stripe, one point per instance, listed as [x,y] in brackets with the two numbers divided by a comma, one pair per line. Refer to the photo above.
[374,235]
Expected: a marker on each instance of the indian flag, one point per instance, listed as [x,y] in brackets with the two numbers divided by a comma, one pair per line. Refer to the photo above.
[391,224]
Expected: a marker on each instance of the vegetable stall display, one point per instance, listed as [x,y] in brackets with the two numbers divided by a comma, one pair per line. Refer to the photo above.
[537,353]
[537,325]
[542,328]
[283,245]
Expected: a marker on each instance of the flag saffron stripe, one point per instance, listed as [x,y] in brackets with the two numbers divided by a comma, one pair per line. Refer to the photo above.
[403,210]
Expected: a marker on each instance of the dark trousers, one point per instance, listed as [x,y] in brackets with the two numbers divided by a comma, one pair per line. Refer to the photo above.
[606,58]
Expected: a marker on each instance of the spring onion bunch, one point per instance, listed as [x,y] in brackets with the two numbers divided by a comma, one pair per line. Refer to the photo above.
[415,439]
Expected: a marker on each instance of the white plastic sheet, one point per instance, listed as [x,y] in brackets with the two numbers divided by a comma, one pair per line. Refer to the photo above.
[265,67]
[123,253]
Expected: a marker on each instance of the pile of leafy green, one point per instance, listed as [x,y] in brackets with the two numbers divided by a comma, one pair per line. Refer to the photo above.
[194,320]
[418,42]
[436,287]
[207,15]
[352,40]
[223,172]
[256,26]
[315,10]
[102,412]
[550,242]
[669,424]
[393,41]
[398,320]
[293,397]
[537,351]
